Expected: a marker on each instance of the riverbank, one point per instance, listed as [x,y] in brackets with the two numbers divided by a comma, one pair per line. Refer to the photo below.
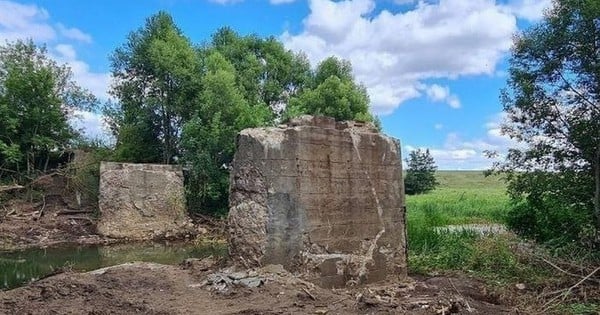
[26,224]
[50,223]
[209,287]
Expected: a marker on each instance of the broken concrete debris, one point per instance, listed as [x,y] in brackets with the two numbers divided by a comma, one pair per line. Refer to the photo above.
[322,198]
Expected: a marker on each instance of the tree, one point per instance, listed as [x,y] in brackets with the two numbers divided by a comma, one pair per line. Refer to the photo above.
[266,72]
[209,137]
[420,172]
[552,101]
[37,98]
[157,84]
[333,93]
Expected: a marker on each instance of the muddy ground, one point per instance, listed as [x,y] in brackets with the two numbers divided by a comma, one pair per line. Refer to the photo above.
[45,223]
[206,287]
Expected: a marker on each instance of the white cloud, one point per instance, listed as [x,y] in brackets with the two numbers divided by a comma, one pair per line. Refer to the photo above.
[97,82]
[459,154]
[393,53]
[92,125]
[531,10]
[74,33]
[438,93]
[20,21]
[438,126]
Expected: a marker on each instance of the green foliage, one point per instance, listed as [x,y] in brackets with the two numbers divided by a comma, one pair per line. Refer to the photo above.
[266,72]
[465,198]
[37,97]
[333,93]
[548,206]
[420,172]
[84,171]
[157,85]
[552,107]
[180,104]
[208,138]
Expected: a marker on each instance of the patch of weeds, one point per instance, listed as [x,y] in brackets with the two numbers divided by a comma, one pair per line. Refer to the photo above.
[500,260]
[430,250]
[580,309]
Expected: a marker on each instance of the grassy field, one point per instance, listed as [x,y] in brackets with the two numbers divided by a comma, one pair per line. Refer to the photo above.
[501,260]
[463,197]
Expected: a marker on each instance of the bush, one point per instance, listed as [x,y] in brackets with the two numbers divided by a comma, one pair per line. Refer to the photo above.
[420,172]
[553,208]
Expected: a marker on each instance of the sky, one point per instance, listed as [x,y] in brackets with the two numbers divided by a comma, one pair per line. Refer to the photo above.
[433,69]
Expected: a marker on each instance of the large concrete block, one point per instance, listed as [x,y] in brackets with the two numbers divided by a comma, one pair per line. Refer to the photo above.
[321,198]
[141,201]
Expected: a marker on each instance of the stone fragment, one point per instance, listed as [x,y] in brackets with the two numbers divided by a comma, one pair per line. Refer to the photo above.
[321,198]
[142,201]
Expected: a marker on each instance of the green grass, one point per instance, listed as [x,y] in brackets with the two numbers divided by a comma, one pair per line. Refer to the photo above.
[468,197]
[463,197]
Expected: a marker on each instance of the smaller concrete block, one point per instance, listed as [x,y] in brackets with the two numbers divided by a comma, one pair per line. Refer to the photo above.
[141,201]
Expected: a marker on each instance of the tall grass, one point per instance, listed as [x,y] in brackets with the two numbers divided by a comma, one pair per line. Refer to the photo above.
[502,260]
[464,197]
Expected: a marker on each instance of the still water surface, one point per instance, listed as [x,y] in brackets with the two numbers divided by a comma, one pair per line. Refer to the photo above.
[21,267]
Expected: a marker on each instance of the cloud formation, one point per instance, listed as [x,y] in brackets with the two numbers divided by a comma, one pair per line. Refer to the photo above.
[394,53]
[460,154]
[438,93]
[18,21]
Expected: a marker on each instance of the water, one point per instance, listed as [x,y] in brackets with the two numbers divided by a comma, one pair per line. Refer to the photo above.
[21,267]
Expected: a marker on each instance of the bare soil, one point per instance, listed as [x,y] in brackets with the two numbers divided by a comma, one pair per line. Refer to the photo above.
[46,223]
[145,288]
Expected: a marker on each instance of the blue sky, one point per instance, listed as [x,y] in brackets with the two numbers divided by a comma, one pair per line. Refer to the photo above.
[433,68]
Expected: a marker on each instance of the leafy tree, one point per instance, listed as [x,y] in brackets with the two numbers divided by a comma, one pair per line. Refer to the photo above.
[552,103]
[157,85]
[208,138]
[266,72]
[177,101]
[420,172]
[37,98]
[333,93]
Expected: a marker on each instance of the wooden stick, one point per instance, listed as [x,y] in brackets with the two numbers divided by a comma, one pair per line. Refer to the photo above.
[67,212]
[564,271]
[42,209]
[578,283]
[547,305]
[11,187]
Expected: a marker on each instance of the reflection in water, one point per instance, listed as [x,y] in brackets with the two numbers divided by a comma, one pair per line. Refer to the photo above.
[17,268]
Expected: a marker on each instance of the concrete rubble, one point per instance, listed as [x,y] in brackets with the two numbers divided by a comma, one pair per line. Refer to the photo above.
[324,199]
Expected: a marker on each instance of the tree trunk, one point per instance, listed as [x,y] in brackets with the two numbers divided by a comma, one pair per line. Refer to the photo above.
[597,192]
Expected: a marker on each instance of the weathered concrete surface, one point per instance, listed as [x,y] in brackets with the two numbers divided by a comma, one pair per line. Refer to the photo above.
[321,198]
[141,201]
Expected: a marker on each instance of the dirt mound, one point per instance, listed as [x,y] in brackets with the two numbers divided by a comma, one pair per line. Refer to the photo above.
[205,287]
